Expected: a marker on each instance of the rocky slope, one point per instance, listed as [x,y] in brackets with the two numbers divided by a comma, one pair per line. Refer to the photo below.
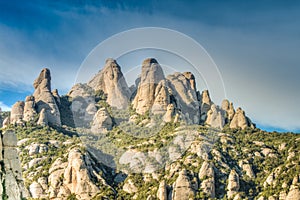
[162,139]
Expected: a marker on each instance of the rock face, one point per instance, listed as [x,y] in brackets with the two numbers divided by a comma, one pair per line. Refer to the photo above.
[233,184]
[162,98]
[102,121]
[83,104]
[151,75]
[207,175]
[239,120]
[29,109]
[43,120]
[185,96]
[205,104]
[16,116]
[12,185]
[215,118]
[182,187]
[45,99]
[111,81]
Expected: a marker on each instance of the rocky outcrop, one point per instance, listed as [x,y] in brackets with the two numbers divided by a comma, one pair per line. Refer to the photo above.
[151,75]
[293,194]
[239,120]
[102,121]
[29,109]
[182,189]
[16,115]
[77,175]
[169,114]
[184,94]
[45,99]
[162,191]
[12,186]
[43,120]
[205,104]
[246,167]
[233,184]
[207,177]
[229,110]
[111,81]
[215,118]
[162,98]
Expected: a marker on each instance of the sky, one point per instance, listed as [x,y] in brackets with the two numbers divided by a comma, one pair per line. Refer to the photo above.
[254,44]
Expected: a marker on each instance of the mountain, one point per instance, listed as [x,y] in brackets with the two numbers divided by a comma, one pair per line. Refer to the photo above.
[159,139]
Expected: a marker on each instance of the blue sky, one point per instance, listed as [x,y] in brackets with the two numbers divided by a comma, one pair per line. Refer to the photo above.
[255,45]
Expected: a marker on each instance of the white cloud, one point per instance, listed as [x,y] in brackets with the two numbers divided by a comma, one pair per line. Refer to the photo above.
[4,107]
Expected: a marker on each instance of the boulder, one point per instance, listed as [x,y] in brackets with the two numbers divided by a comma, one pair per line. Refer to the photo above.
[16,115]
[151,75]
[44,98]
[111,81]
[29,109]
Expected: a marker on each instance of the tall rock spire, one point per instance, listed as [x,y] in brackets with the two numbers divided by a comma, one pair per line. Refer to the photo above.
[44,98]
[112,82]
[151,75]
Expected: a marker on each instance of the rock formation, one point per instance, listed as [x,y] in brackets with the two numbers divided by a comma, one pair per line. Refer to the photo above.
[151,75]
[207,175]
[215,118]
[102,121]
[239,120]
[205,104]
[56,96]
[45,99]
[16,115]
[43,120]
[83,104]
[233,184]
[29,109]
[162,191]
[169,114]
[12,186]
[185,96]
[162,98]
[229,110]
[111,81]
[182,187]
